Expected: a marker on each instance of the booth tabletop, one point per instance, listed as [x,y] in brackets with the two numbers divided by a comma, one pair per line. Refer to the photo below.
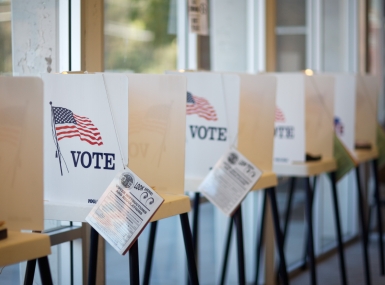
[305,169]
[361,156]
[268,179]
[173,204]
[18,247]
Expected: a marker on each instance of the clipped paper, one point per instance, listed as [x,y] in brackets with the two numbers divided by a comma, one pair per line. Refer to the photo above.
[124,210]
[229,181]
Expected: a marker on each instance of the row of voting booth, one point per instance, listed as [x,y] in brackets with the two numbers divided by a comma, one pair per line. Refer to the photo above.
[63,138]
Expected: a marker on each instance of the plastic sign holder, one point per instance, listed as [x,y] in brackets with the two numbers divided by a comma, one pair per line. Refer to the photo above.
[21,174]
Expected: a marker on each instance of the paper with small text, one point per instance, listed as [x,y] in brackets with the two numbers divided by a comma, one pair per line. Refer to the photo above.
[124,209]
[198,17]
[229,181]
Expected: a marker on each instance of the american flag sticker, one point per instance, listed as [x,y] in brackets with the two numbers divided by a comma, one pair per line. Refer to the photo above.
[66,124]
[201,107]
[279,116]
[338,126]
[69,125]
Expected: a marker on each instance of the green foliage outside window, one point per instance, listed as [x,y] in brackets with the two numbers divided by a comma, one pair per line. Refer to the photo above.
[137,36]
[5,37]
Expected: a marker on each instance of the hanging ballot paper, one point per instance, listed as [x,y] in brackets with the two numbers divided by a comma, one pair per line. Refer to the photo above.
[124,210]
[228,182]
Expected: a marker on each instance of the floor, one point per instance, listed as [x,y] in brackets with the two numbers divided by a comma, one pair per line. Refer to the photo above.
[328,271]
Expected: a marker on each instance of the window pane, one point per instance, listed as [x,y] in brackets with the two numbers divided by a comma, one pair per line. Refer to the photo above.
[140,35]
[333,54]
[291,12]
[291,52]
[5,37]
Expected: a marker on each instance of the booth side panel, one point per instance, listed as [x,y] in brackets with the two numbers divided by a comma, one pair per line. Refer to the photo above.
[157,122]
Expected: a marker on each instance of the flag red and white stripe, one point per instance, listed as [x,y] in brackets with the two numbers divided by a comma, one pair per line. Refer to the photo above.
[201,107]
[69,125]
[279,116]
[84,129]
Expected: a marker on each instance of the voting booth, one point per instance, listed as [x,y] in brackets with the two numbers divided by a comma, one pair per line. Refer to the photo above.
[356,114]
[21,172]
[157,128]
[85,140]
[303,121]
[355,125]
[255,141]
[303,143]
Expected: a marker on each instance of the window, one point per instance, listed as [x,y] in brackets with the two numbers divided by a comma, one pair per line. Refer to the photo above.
[5,37]
[140,35]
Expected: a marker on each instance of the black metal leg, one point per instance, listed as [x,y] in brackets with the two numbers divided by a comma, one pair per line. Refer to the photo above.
[45,272]
[188,244]
[370,210]
[288,208]
[71,259]
[306,249]
[195,223]
[260,239]
[30,272]
[72,262]
[309,220]
[338,228]
[93,257]
[150,253]
[379,216]
[363,228]
[240,248]
[134,263]
[314,184]
[278,236]
[227,250]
